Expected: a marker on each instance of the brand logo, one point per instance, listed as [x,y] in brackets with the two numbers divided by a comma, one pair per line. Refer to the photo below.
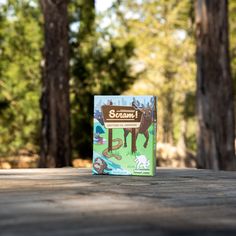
[142,162]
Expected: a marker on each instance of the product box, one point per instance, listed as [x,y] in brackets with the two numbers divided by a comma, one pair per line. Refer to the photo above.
[124,135]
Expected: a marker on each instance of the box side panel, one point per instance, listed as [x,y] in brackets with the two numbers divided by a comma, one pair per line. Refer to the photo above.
[155,135]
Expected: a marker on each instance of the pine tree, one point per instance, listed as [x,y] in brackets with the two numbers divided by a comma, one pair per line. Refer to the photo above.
[99,66]
[20,53]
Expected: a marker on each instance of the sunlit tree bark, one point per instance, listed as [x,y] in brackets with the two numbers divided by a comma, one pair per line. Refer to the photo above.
[214,87]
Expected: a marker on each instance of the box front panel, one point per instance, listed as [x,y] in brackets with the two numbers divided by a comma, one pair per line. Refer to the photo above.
[124,135]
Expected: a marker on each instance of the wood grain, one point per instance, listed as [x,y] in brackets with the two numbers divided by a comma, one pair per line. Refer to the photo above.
[73,202]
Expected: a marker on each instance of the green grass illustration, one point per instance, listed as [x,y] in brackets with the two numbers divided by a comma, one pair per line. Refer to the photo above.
[128,158]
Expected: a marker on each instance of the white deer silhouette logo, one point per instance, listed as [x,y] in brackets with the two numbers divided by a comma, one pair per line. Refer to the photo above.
[142,161]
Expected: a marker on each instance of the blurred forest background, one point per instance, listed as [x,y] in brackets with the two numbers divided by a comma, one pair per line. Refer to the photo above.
[129,47]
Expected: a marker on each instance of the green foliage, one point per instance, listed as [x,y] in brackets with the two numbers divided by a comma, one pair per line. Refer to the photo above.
[151,41]
[21,41]
[163,35]
[98,67]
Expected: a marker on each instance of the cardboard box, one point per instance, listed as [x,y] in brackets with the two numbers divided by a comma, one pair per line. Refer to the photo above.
[124,141]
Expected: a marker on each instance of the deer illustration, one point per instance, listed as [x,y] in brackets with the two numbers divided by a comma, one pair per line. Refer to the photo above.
[146,121]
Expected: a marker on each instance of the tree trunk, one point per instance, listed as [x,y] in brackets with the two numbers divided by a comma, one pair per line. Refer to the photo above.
[215,108]
[55,106]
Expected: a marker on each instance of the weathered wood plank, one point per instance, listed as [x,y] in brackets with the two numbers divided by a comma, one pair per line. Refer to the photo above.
[73,202]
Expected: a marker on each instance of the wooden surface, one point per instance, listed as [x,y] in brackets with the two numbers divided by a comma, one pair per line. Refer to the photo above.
[73,202]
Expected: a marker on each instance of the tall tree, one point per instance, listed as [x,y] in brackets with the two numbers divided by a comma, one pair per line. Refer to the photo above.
[214,87]
[19,76]
[165,49]
[100,65]
[56,144]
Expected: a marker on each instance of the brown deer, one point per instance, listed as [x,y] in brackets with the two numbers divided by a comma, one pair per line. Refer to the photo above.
[146,121]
